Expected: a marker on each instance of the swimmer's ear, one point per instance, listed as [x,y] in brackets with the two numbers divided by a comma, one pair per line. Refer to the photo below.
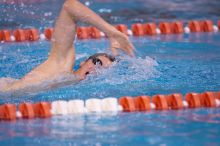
[82,63]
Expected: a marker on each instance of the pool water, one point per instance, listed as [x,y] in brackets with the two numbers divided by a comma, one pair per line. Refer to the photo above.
[42,13]
[164,64]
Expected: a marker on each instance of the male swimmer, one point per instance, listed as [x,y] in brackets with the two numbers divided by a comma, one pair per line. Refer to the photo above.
[57,69]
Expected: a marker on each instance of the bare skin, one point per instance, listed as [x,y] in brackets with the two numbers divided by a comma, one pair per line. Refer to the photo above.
[62,55]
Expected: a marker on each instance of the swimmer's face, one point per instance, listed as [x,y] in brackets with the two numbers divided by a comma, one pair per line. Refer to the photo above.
[99,60]
[92,63]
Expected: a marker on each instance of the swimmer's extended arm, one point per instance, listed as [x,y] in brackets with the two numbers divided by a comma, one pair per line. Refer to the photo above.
[62,55]
[64,32]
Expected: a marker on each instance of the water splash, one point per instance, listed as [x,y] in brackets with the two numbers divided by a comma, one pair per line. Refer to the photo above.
[126,70]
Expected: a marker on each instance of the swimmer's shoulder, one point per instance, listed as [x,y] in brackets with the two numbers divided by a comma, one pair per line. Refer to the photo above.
[6,81]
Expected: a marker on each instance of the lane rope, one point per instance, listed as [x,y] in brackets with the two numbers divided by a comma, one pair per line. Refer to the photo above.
[176,101]
[137,29]
[125,104]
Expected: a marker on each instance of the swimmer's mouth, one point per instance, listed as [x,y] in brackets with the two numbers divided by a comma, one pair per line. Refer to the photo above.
[87,73]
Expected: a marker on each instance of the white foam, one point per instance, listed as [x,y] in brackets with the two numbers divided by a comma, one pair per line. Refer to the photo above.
[87,3]
[128,69]
[83,55]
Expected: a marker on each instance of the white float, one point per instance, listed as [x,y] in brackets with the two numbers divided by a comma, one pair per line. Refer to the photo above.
[102,34]
[152,106]
[158,31]
[110,104]
[42,37]
[94,105]
[59,107]
[186,29]
[185,104]
[18,114]
[217,102]
[76,107]
[215,28]
[130,33]
[12,38]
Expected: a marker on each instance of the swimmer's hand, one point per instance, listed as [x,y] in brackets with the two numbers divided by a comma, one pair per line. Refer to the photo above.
[119,40]
[73,9]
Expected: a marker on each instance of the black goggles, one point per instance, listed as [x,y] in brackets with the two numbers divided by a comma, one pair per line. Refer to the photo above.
[96,61]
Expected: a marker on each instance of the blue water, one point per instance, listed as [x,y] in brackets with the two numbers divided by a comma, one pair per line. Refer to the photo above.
[41,13]
[180,66]
[164,64]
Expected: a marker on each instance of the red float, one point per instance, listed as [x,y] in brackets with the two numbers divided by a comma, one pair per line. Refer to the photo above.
[142,103]
[8,112]
[160,102]
[175,101]
[193,100]
[127,103]
[27,110]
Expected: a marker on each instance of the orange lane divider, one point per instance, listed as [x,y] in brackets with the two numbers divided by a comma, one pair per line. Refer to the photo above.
[5,35]
[137,29]
[82,33]
[194,26]
[42,109]
[19,35]
[206,25]
[193,100]
[94,33]
[165,28]
[160,102]
[150,29]
[27,110]
[177,27]
[218,24]
[48,33]
[142,103]
[175,101]
[8,112]
[218,95]
[32,34]
[127,103]
[122,28]
[27,34]
[208,99]
[1,35]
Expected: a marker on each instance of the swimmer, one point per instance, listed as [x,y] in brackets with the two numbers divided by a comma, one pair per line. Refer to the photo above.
[57,69]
